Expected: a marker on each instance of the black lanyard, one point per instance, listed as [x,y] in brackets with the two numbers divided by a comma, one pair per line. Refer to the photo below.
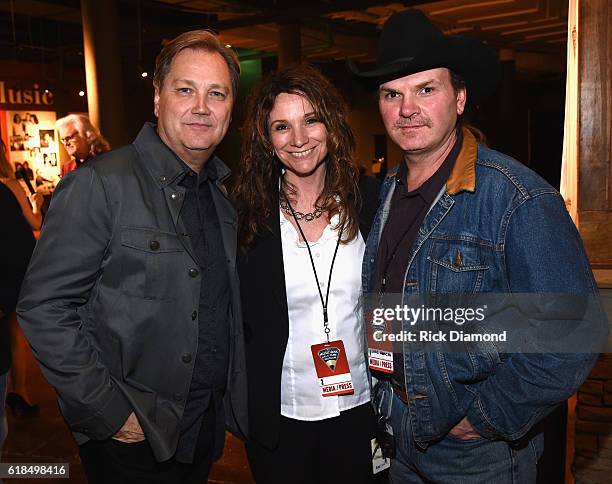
[314,270]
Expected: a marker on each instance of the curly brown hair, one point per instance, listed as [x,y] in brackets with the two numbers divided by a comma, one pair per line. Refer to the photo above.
[256,189]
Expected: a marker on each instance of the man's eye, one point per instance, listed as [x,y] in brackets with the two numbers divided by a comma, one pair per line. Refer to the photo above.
[391,95]
[217,94]
[427,90]
[184,90]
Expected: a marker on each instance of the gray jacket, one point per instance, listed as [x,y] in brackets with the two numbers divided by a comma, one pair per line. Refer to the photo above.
[108,299]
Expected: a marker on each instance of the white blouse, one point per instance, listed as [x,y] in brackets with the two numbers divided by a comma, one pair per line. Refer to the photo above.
[301,397]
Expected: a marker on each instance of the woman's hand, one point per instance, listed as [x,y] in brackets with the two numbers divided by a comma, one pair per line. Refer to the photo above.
[37,200]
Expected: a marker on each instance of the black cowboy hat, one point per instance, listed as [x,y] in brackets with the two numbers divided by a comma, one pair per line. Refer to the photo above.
[411,43]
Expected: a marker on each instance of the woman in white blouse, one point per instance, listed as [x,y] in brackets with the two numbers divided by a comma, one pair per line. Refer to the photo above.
[301,233]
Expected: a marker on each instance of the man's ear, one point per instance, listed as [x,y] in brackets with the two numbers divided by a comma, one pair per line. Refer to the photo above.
[156,102]
[461,100]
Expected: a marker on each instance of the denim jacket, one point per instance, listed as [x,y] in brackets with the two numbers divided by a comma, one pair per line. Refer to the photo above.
[515,236]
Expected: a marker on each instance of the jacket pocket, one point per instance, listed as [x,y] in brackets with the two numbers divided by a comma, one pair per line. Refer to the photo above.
[457,266]
[149,259]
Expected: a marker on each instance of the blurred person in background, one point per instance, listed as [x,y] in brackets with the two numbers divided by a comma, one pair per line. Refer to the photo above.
[30,204]
[19,215]
[81,139]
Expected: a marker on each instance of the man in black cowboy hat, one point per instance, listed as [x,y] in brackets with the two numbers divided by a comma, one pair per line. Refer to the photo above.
[459,218]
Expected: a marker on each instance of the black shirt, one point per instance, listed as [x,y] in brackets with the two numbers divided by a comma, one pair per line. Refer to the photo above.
[406,214]
[208,382]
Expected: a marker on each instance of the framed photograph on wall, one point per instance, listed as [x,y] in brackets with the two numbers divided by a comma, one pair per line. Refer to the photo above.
[32,145]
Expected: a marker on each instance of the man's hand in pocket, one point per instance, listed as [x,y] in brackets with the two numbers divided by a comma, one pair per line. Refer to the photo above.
[130,432]
[464,431]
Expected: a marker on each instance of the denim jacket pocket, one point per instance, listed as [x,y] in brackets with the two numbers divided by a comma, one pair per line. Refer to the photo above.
[456,267]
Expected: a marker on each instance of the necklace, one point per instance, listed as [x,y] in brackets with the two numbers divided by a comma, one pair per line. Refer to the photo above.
[307,217]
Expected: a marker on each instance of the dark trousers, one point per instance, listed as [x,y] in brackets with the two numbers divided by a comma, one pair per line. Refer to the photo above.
[333,450]
[551,466]
[112,462]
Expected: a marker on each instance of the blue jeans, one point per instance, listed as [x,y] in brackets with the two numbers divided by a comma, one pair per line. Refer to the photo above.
[455,461]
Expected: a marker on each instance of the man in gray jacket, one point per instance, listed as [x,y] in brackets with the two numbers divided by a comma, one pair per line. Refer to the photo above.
[131,299]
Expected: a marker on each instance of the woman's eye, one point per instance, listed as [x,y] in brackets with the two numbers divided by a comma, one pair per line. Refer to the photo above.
[280,127]
[218,94]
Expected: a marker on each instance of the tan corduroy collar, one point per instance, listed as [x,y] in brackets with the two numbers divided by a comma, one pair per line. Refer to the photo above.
[463,176]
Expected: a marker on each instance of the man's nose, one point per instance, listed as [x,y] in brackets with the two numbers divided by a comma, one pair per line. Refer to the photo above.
[409,107]
[201,105]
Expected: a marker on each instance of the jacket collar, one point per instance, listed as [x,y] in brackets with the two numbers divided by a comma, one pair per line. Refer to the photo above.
[163,164]
[463,175]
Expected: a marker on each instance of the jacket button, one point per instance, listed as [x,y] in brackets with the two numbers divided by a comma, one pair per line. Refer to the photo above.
[174,196]
[194,315]
[193,272]
[186,358]
[178,397]
[162,178]
[154,245]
